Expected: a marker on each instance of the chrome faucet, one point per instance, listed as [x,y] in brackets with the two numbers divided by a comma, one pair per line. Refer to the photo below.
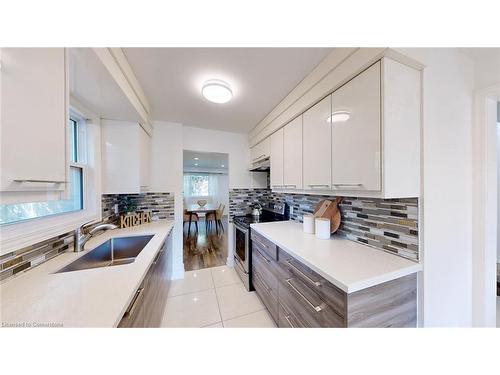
[81,239]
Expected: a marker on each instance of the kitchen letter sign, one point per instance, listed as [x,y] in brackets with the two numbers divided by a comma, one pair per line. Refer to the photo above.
[131,220]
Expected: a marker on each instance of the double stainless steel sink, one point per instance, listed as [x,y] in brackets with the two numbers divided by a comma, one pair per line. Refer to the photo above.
[114,252]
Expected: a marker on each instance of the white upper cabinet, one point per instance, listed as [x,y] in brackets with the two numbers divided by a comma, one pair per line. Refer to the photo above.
[125,157]
[34,119]
[361,140]
[317,145]
[292,154]
[260,151]
[276,144]
[356,133]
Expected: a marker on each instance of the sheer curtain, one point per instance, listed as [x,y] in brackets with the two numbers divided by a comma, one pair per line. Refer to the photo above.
[200,185]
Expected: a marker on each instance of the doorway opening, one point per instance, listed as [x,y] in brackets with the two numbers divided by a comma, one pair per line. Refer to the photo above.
[206,206]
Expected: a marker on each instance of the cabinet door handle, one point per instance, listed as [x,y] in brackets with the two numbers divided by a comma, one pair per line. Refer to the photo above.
[314,307]
[318,185]
[132,306]
[354,185]
[315,283]
[44,181]
[290,186]
[277,186]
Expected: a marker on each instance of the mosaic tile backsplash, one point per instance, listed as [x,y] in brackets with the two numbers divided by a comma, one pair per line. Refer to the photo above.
[386,224]
[241,199]
[31,256]
[161,206]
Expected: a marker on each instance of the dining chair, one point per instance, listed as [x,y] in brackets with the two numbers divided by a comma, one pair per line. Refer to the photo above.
[217,217]
[194,219]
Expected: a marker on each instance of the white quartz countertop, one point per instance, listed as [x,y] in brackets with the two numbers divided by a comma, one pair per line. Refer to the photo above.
[348,265]
[87,298]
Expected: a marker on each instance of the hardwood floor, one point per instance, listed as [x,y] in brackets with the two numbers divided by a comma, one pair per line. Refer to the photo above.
[204,250]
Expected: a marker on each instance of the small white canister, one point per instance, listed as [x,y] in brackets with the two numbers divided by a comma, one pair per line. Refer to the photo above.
[323,229]
[308,223]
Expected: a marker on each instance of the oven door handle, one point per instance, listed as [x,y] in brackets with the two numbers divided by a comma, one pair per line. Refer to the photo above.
[237,260]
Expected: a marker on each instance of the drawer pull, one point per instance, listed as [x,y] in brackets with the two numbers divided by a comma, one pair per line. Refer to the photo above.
[316,308]
[267,260]
[259,243]
[315,283]
[287,318]
[158,256]
[261,280]
[132,306]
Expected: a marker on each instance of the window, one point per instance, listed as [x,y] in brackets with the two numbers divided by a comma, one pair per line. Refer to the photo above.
[196,185]
[12,213]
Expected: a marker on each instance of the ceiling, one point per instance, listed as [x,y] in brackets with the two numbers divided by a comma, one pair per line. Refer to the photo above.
[207,162]
[260,78]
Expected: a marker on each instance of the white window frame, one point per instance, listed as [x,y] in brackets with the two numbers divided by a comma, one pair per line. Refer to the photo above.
[18,235]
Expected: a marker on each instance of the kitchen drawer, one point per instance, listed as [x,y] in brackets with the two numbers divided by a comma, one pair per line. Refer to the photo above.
[286,319]
[265,293]
[307,307]
[290,267]
[266,246]
[266,268]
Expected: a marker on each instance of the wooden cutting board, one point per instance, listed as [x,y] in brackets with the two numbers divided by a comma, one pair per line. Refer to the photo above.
[329,209]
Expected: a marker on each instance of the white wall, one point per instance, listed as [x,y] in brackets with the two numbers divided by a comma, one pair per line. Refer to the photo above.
[235,145]
[166,176]
[448,82]
[498,192]
[167,145]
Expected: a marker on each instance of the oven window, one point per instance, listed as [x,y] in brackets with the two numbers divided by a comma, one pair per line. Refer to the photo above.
[240,245]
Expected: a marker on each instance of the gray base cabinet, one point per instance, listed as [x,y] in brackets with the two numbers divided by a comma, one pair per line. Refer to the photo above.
[296,296]
[147,306]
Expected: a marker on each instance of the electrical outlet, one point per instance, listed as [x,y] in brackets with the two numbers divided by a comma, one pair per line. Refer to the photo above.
[291,210]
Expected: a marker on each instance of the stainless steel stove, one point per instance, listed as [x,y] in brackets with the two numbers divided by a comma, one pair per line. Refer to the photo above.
[271,211]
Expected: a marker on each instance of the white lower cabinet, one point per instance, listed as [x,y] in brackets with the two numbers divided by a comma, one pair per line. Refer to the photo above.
[125,157]
[34,119]
[277,159]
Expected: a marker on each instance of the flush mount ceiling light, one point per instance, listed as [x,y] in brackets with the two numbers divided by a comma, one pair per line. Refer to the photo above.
[339,116]
[217,91]
[196,158]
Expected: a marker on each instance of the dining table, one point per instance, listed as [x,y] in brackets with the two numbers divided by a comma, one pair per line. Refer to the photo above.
[192,209]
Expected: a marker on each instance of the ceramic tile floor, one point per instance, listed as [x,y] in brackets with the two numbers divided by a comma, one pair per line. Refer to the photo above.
[213,298]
